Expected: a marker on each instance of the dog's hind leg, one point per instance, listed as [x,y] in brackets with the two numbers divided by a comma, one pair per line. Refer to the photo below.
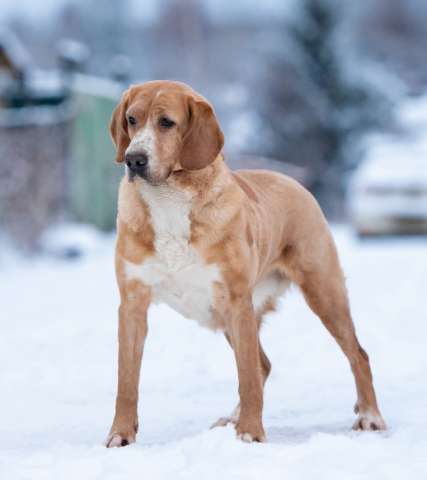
[323,286]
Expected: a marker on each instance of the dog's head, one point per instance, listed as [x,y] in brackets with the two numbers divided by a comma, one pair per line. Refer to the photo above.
[161,126]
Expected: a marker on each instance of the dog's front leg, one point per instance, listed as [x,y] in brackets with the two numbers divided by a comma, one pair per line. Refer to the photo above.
[244,336]
[135,298]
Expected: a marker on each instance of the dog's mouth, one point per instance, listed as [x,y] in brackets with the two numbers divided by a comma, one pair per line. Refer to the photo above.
[147,177]
[131,175]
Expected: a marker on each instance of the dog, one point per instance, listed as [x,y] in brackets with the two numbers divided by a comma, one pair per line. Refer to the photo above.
[217,246]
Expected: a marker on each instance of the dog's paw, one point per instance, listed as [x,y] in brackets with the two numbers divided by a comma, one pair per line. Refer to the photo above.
[118,440]
[120,437]
[249,434]
[369,422]
[224,421]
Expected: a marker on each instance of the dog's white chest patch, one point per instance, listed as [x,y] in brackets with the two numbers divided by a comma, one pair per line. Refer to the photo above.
[176,273]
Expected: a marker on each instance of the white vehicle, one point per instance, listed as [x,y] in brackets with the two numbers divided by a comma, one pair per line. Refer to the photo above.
[388,193]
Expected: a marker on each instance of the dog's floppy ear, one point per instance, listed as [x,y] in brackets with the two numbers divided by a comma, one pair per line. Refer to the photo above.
[118,127]
[204,139]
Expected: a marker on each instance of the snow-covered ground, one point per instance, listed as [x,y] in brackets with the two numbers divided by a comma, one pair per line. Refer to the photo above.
[58,377]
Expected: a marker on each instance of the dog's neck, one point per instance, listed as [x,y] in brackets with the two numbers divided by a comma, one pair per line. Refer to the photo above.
[201,186]
[207,193]
[199,182]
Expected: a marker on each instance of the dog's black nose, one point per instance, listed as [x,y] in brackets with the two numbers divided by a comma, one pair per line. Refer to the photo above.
[136,161]
[137,164]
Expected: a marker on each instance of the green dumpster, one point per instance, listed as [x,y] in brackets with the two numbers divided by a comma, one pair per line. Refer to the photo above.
[93,175]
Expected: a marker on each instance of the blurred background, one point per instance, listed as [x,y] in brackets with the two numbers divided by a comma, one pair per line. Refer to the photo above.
[331,92]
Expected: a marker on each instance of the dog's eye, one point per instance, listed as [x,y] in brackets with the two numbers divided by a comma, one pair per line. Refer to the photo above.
[131,120]
[166,122]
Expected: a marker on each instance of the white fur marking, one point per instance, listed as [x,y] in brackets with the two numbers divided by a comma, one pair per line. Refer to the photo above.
[365,420]
[269,288]
[177,274]
[246,437]
[144,141]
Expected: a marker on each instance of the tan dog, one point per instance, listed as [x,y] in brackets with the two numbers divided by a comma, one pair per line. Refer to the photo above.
[217,246]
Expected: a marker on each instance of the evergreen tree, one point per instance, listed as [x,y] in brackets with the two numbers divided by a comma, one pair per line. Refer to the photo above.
[317,111]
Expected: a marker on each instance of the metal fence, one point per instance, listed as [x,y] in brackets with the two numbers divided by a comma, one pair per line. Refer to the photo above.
[34,146]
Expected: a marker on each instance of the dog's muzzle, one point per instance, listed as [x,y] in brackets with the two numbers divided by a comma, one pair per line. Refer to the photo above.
[137,164]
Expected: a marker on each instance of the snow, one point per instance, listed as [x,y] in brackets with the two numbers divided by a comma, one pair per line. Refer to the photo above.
[395,165]
[391,182]
[413,113]
[90,85]
[394,161]
[14,49]
[58,371]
